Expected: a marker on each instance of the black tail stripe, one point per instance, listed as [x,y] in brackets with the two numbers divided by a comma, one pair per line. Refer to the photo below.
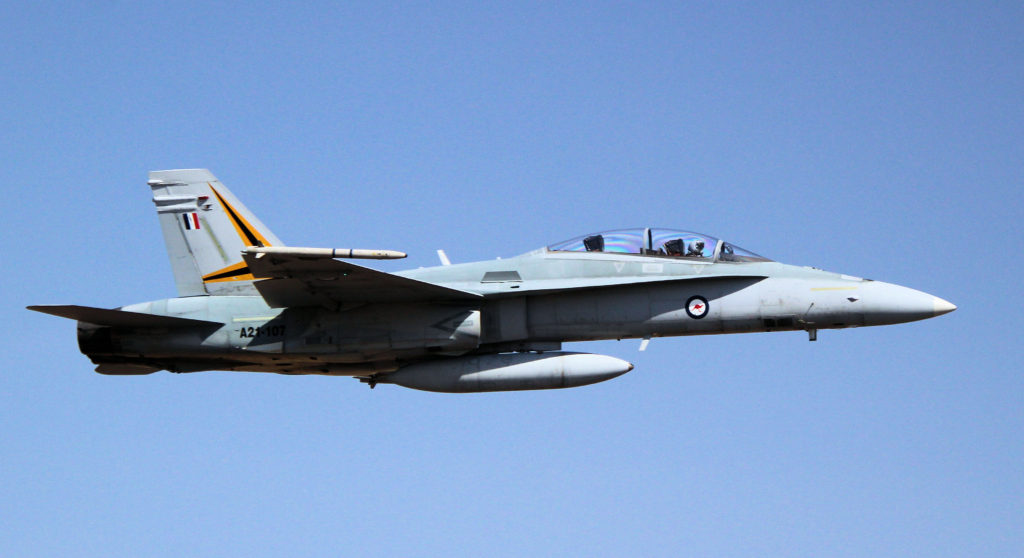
[227,274]
[253,241]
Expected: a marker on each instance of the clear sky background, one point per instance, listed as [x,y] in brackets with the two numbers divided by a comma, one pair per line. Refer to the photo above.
[884,141]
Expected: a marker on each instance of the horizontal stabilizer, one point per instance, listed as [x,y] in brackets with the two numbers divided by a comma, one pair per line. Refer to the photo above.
[117,318]
[126,369]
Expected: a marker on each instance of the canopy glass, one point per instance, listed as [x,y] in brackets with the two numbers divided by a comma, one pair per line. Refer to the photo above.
[659,242]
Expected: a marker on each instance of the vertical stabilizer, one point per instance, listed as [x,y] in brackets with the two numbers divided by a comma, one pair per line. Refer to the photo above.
[206,228]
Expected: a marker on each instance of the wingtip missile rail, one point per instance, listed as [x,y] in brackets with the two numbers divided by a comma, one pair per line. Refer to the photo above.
[324,253]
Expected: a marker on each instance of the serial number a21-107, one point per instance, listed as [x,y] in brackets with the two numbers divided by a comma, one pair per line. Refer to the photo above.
[262,331]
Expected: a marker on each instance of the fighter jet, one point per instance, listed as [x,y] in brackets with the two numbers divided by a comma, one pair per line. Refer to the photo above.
[248,303]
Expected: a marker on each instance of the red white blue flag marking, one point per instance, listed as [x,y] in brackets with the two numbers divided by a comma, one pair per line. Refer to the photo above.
[191,221]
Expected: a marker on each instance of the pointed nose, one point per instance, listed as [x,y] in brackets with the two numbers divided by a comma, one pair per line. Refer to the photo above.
[886,303]
[942,306]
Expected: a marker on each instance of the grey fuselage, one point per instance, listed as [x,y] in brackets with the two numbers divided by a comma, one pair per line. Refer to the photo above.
[533,302]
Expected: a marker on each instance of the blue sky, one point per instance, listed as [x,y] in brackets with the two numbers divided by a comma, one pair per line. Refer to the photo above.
[882,141]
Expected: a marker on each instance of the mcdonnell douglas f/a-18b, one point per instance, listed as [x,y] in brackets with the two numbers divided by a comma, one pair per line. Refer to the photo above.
[246,302]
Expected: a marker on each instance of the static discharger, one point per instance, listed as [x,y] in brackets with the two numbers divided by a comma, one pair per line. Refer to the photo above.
[325,253]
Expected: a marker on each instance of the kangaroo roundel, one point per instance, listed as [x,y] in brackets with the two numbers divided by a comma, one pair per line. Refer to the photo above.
[697,307]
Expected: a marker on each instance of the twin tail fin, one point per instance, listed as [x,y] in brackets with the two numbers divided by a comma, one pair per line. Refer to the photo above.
[206,228]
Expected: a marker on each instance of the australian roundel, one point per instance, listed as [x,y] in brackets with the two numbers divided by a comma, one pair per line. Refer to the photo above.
[697,307]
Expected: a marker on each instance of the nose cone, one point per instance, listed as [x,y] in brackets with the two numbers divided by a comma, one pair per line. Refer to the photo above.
[943,306]
[886,303]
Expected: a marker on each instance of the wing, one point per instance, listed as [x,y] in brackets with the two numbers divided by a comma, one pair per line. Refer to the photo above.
[292,280]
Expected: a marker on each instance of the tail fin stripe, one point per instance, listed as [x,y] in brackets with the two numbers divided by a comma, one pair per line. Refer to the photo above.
[237,275]
[244,229]
[235,272]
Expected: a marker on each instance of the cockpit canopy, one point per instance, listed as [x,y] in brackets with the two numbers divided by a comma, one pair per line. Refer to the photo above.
[659,242]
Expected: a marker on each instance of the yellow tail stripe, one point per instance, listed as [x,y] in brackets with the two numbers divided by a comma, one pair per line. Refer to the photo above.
[235,272]
[250,235]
